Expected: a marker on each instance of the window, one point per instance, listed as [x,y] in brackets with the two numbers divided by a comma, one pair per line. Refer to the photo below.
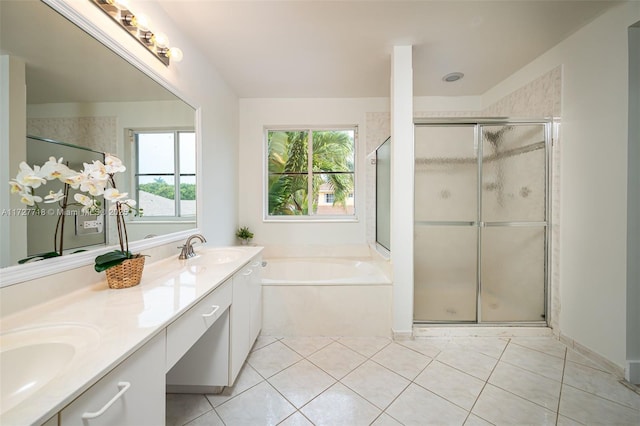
[166,173]
[319,162]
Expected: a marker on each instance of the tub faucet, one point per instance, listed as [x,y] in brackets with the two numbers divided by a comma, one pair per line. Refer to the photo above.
[187,248]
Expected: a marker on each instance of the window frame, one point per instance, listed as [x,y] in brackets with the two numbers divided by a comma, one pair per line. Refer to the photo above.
[177,174]
[315,218]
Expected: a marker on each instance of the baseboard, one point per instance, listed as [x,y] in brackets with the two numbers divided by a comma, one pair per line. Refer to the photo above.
[607,365]
[632,373]
[198,389]
[402,335]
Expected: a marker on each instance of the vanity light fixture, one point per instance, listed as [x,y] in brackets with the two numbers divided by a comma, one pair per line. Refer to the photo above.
[138,27]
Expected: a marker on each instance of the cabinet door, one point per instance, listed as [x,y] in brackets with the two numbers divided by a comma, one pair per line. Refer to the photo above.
[240,326]
[256,299]
[131,394]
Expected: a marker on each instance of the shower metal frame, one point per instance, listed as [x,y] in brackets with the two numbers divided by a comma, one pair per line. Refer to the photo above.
[478,123]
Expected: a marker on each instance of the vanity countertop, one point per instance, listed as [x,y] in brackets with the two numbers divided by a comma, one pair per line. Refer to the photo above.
[105,326]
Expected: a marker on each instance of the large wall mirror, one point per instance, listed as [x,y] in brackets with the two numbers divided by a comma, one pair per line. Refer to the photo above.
[81,94]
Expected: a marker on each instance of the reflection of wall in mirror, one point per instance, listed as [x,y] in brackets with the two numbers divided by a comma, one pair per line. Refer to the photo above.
[96,133]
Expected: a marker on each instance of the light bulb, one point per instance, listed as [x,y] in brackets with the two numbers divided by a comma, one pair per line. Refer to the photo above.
[176,54]
[143,23]
[161,40]
[121,4]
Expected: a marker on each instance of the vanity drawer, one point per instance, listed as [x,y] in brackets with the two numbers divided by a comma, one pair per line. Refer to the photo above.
[184,332]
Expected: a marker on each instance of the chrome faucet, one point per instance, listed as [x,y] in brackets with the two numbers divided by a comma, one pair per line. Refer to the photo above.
[187,248]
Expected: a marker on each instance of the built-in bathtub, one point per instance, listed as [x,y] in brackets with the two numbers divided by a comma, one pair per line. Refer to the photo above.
[323,270]
[326,296]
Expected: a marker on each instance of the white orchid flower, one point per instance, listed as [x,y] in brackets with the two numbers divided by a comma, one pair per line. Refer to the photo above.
[93,187]
[112,194]
[95,170]
[30,177]
[54,197]
[113,164]
[29,199]
[90,206]
[73,179]
[54,169]
[16,187]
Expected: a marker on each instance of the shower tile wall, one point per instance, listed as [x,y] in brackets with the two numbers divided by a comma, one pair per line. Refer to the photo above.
[97,133]
[539,98]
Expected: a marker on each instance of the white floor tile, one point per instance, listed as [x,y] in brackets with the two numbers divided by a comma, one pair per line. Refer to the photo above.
[566,421]
[587,408]
[451,384]
[263,341]
[260,405]
[474,420]
[366,346]
[337,360]
[501,407]
[401,360]
[419,407]
[247,378]
[578,358]
[376,383]
[490,346]
[338,406]
[386,420]
[547,345]
[301,382]
[296,419]
[537,362]
[601,384]
[425,346]
[272,359]
[305,346]
[208,419]
[530,386]
[471,362]
[182,408]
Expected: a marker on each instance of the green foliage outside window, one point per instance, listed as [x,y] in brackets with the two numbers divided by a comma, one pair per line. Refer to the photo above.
[162,189]
[332,164]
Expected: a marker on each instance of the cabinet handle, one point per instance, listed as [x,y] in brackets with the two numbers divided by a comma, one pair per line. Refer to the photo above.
[210,314]
[124,386]
[254,264]
[249,271]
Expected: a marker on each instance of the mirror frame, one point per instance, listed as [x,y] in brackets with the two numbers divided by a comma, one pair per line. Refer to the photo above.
[16,274]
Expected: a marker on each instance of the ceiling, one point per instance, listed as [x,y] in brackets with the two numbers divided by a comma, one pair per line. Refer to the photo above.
[322,48]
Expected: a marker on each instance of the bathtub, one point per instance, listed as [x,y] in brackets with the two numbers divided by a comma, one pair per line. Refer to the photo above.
[326,296]
[323,270]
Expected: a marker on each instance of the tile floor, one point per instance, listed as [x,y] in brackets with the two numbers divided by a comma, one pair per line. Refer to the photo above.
[430,381]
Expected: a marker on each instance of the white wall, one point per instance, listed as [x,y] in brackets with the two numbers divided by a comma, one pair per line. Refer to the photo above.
[594,177]
[255,114]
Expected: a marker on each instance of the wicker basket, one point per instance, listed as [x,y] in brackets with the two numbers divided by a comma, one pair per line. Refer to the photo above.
[126,274]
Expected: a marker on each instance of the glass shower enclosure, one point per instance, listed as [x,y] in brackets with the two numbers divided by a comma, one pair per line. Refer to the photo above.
[481,222]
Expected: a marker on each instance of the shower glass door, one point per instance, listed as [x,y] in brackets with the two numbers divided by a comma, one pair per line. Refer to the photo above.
[480,223]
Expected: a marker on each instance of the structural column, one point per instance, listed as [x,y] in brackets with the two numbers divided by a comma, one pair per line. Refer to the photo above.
[402,189]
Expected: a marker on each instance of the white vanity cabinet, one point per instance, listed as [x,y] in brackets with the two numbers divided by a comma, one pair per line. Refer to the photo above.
[185,331]
[198,345]
[133,393]
[246,314]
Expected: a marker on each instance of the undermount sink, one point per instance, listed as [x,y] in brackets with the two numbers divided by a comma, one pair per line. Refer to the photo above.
[30,358]
[220,255]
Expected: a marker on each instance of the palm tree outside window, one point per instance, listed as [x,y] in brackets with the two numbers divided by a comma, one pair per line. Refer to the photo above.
[312,161]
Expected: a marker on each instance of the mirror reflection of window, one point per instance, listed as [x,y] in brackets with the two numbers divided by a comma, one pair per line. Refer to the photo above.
[166,173]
